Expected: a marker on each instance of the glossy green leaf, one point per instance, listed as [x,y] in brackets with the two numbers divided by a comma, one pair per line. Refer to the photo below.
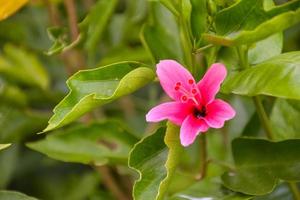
[209,188]
[172,5]
[260,32]
[284,118]
[249,21]
[198,18]
[17,125]
[23,67]
[160,35]
[155,158]
[11,195]
[281,192]
[278,76]
[172,142]
[95,87]
[3,146]
[96,22]
[271,46]
[242,15]
[119,54]
[99,143]
[261,163]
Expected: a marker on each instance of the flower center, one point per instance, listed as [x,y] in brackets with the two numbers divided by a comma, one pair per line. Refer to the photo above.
[187,94]
[198,113]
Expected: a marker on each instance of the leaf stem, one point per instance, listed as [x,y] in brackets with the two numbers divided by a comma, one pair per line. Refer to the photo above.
[203,157]
[294,189]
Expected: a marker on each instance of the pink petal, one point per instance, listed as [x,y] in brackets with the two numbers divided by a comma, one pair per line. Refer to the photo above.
[190,128]
[210,83]
[218,112]
[169,73]
[176,112]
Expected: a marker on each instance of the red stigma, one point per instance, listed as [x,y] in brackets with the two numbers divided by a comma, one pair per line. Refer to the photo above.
[184,98]
[178,84]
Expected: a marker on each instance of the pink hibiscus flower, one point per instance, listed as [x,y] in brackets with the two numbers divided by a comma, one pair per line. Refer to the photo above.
[194,107]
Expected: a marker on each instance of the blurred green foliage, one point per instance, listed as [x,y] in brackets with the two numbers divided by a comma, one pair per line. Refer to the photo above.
[41,47]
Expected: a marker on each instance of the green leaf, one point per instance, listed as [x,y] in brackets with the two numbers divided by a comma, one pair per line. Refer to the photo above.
[171,5]
[3,146]
[271,46]
[11,195]
[198,18]
[284,118]
[281,71]
[160,35]
[95,87]
[8,164]
[209,188]
[99,143]
[124,53]
[249,21]
[260,32]
[23,67]
[260,163]
[281,192]
[155,158]
[96,22]
[242,15]
[17,125]
[12,95]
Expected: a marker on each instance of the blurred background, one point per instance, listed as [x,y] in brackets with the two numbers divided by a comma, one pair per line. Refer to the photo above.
[44,43]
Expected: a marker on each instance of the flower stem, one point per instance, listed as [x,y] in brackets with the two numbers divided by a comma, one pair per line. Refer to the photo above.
[203,157]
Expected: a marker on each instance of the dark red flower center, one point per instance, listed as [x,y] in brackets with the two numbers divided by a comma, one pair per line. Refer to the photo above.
[198,113]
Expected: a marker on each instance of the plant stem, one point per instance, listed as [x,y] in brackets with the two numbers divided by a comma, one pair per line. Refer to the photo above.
[200,50]
[74,58]
[52,13]
[242,52]
[110,182]
[243,56]
[186,44]
[263,117]
[294,189]
[72,18]
[203,157]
